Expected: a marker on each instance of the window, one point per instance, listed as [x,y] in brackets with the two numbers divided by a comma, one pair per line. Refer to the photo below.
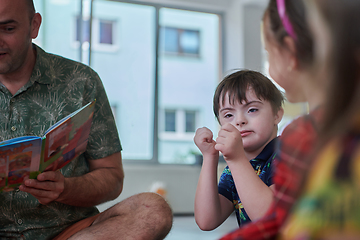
[103,37]
[178,41]
[158,94]
[85,27]
[170,121]
[180,122]
[190,117]
[106,32]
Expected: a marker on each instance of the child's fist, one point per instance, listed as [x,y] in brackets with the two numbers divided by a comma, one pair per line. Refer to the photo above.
[229,142]
[204,141]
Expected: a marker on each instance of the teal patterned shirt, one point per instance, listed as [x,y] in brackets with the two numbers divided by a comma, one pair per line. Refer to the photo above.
[57,87]
[262,165]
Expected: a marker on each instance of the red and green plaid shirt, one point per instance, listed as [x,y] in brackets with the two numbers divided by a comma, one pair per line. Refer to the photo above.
[297,143]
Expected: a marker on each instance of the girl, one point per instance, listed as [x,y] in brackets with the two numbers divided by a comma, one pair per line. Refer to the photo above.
[329,207]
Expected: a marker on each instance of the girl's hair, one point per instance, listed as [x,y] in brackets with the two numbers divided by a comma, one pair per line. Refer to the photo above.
[236,84]
[295,11]
[342,114]
[343,66]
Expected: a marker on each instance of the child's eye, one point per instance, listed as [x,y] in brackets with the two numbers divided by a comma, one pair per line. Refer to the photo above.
[253,110]
[228,115]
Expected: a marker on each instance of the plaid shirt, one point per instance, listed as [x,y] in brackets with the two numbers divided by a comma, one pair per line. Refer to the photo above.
[296,146]
[329,206]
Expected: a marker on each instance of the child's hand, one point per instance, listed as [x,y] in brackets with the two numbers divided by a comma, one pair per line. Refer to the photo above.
[204,141]
[229,143]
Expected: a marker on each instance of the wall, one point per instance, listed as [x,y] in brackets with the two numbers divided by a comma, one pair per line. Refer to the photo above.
[253,52]
[180,184]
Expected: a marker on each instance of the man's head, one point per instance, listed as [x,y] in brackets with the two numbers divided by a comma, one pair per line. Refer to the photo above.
[250,102]
[31,8]
[19,24]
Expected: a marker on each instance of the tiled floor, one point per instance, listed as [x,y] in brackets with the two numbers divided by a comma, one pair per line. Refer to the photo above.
[185,228]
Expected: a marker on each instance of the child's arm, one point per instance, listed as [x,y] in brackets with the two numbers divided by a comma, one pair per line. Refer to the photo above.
[255,195]
[211,209]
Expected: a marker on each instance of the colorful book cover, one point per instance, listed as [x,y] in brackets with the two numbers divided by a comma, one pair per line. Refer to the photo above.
[31,155]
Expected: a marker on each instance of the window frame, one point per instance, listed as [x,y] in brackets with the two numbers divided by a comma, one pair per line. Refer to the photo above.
[156,108]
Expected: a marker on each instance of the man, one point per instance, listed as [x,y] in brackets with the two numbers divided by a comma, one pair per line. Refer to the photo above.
[36,90]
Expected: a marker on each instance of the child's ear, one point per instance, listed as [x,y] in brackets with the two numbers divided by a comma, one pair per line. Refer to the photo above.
[292,53]
[279,115]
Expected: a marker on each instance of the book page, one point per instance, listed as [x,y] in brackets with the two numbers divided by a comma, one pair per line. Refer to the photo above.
[17,160]
[67,140]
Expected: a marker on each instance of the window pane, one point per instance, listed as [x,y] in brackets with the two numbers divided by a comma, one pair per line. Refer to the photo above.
[190,42]
[170,121]
[128,73]
[130,91]
[186,83]
[190,121]
[106,29]
[57,36]
[169,38]
[85,28]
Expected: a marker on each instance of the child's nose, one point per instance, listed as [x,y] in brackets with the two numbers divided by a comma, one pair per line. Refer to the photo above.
[240,120]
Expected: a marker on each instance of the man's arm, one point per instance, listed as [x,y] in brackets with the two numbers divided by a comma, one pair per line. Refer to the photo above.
[104,182]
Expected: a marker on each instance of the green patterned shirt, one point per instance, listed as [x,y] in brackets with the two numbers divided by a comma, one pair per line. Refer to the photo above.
[57,87]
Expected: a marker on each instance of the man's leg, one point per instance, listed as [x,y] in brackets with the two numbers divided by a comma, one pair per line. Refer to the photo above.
[143,216]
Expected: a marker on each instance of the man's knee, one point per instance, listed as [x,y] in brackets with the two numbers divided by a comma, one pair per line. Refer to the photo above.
[146,203]
[154,203]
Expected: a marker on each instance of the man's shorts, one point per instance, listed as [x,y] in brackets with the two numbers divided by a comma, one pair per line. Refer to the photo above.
[77,227]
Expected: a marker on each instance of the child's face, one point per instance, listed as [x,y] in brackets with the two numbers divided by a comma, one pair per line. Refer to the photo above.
[255,120]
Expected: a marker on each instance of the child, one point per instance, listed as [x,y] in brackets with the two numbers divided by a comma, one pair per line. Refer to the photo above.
[248,107]
[329,207]
[289,44]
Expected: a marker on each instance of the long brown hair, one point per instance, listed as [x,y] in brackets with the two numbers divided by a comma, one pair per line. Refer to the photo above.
[343,98]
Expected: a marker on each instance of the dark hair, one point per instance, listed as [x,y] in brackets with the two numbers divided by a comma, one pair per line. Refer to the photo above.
[343,97]
[236,84]
[295,10]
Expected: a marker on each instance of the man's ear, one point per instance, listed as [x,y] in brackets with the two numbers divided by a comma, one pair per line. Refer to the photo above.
[35,25]
[279,115]
[290,46]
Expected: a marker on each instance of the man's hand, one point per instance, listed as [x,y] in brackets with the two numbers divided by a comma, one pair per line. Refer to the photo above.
[46,188]
[229,143]
[204,141]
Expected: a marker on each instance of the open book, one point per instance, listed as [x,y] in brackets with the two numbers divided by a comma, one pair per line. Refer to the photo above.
[31,155]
